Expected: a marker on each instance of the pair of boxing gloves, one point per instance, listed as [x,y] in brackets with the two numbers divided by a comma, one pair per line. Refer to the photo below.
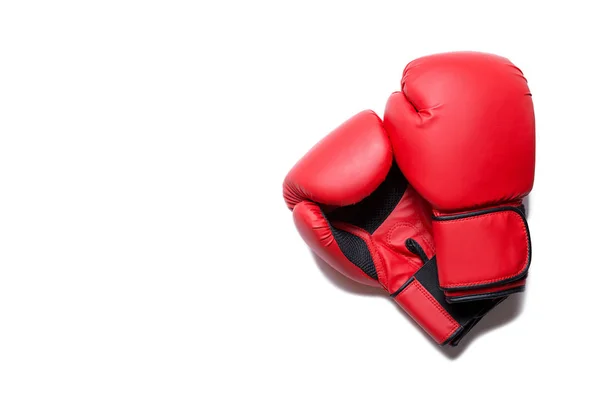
[427,202]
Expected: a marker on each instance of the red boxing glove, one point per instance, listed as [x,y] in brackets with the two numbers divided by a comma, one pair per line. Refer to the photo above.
[354,208]
[463,132]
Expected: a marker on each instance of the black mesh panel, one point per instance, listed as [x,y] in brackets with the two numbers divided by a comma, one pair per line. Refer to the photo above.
[368,214]
[355,250]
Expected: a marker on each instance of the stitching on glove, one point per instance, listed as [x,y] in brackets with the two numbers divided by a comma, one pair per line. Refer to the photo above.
[527,259]
[437,305]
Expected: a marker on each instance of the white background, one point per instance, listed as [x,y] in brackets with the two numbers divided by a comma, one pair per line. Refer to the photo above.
[145,248]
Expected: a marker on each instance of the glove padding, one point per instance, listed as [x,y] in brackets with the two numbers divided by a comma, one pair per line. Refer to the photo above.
[463,132]
[355,210]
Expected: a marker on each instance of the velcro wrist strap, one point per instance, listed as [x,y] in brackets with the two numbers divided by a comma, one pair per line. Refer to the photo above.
[483,249]
[423,300]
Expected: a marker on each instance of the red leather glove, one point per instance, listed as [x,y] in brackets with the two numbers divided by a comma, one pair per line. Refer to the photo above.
[354,208]
[463,133]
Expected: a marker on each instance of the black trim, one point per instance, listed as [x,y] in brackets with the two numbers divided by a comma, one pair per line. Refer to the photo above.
[522,275]
[414,247]
[484,296]
[408,282]
[458,334]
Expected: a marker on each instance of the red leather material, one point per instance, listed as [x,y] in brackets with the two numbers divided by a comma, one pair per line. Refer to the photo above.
[384,239]
[410,219]
[316,232]
[482,249]
[463,133]
[464,293]
[394,263]
[343,168]
[463,130]
[427,312]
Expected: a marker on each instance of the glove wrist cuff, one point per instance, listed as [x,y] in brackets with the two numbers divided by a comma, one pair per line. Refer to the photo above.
[486,252]
[423,300]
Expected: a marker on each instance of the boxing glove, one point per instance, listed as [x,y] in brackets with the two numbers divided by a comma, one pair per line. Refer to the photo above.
[463,131]
[355,210]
